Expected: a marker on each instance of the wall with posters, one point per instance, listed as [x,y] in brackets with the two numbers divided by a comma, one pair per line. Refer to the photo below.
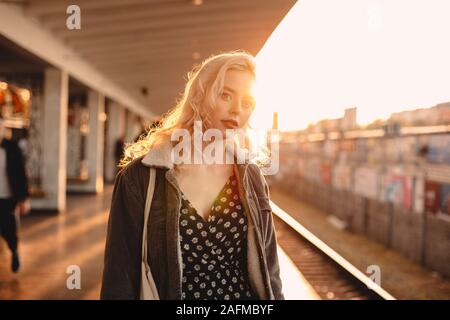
[411,171]
[437,197]
[342,177]
[375,151]
[444,204]
[397,189]
[326,172]
[419,194]
[408,148]
[439,149]
[347,148]
[362,151]
[431,196]
[301,166]
[313,169]
[392,150]
[366,182]
[331,149]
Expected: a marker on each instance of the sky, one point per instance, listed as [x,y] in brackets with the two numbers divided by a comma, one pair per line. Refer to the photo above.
[379,56]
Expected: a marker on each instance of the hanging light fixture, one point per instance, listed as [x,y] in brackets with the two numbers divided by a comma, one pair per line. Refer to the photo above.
[197,2]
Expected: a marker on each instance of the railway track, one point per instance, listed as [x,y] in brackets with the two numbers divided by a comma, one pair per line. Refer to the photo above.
[332,277]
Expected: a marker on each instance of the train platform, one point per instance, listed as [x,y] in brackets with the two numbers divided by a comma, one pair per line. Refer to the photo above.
[50,245]
[401,277]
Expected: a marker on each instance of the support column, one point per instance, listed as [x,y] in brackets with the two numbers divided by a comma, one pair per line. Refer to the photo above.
[95,145]
[132,129]
[115,131]
[56,87]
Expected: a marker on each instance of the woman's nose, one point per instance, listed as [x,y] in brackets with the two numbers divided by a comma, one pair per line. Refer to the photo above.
[236,108]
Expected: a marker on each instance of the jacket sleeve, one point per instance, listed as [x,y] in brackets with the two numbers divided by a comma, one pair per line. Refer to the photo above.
[122,259]
[270,238]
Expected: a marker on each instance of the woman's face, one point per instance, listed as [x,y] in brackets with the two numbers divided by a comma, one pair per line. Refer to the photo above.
[235,102]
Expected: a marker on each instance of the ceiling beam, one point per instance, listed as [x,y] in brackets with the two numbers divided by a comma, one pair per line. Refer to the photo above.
[17,67]
[152,66]
[194,33]
[153,78]
[29,34]
[158,63]
[174,24]
[44,7]
[142,58]
[144,51]
[213,39]
[151,11]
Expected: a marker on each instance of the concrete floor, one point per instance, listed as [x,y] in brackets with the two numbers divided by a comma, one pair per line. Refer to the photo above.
[49,244]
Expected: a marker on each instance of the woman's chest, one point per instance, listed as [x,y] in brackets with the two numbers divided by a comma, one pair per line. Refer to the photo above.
[202,188]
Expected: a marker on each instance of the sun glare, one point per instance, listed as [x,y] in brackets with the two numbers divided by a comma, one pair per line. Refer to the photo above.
[379,56]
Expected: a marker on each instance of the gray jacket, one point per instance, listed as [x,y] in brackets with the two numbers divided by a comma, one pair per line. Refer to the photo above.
[123,251]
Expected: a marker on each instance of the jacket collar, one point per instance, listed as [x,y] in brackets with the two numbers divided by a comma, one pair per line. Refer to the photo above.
[160,156]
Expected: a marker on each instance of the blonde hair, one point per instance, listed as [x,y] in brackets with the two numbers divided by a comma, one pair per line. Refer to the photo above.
[204,84]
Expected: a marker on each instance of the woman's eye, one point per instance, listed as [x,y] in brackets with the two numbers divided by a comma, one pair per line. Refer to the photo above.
[225,96]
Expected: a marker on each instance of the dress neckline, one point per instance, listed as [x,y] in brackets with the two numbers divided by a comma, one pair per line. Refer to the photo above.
[216,199]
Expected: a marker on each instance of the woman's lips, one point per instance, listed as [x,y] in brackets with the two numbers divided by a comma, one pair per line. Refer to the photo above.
[231,124]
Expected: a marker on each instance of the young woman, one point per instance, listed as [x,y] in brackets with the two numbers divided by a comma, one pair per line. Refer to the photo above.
[188,229]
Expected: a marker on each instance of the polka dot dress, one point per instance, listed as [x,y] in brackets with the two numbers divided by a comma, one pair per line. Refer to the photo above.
[214,252]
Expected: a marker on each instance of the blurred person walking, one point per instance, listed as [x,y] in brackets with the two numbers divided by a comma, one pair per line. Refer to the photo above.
[13,192]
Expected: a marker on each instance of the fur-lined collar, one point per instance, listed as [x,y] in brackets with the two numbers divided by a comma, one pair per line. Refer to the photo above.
[159,155]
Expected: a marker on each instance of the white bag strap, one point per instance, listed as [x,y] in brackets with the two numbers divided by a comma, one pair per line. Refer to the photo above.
[148,287]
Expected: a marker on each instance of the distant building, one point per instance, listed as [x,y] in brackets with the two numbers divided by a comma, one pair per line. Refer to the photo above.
[349,120]
[437,115]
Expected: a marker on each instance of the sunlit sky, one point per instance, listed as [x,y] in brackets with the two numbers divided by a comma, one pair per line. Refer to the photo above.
[379,56]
